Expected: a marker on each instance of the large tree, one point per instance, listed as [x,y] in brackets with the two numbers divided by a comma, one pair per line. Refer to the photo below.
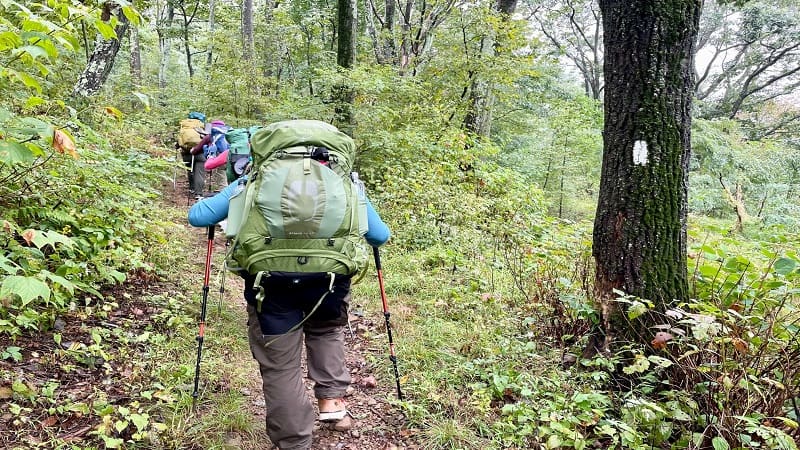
[640,225]
[105,51]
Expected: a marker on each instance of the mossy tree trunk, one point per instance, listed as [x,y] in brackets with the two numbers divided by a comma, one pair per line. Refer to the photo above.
[640,225]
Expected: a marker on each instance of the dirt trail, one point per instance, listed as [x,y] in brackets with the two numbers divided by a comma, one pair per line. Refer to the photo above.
[376,424]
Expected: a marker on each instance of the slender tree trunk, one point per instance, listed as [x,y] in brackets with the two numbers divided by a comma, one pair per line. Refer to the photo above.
[212,7]
[736,200]
[165,45]
[187,51]
[136,58]
[102,60]
[187,22]
[561,188]
[248,42]
[640,225]
[388,47]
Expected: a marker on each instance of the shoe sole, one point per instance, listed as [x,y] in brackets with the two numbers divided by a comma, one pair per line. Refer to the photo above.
[332,416]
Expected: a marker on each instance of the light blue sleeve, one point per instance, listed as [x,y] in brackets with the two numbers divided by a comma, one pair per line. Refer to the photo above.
[212,210]
[378,232]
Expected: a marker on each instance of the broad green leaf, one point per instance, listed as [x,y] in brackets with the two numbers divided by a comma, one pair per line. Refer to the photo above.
[34,101]
[140,420]
[6,265]
[105,29]
[720,443]
[35,149]
[14,152]
[25,78]
[636,309]
[120,425]
[34,25]
[35,51]
[554,441]
[131,14]
[144,98]
[27,288]
[32,125]
[785,266]
[9,40]
[111,442]
[61,281]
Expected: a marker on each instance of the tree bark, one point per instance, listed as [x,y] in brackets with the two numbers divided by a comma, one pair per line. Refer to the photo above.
[212,8]
[640,225]
[136,58]
[163,28]
[102,59]
[248,41]
[736,200]
[346,59]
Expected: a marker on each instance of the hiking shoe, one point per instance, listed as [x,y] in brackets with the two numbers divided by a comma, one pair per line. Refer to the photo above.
[331,409]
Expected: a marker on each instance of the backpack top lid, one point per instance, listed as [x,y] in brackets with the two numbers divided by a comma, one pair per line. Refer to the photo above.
[197,115]
[239,141]
[293,133]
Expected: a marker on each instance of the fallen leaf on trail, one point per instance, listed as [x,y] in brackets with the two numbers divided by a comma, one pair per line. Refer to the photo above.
[49,422]
[5,392]
[660,341]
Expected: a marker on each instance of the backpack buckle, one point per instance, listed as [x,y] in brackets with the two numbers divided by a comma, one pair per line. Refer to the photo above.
[302,260]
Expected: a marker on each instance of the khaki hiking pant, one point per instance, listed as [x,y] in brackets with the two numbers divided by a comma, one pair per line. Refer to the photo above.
[290,414]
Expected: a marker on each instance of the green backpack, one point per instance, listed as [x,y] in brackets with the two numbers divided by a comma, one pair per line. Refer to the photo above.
[297,214]
[238,152]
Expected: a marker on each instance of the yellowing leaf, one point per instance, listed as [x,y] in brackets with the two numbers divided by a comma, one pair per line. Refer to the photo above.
[114,112]
[64,144]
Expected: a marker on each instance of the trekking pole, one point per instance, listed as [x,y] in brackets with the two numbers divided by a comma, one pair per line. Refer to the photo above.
[386,314]
[202,325]
[222,283]
[191,175]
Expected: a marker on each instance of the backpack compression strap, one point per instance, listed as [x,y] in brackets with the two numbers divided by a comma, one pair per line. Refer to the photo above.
[261,294]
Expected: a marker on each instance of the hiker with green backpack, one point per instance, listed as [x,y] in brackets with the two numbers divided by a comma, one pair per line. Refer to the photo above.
[301,225]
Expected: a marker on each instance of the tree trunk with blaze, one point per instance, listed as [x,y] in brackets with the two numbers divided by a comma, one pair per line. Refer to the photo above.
[640,225]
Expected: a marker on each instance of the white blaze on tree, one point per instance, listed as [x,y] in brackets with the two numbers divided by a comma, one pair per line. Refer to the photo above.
[640,153]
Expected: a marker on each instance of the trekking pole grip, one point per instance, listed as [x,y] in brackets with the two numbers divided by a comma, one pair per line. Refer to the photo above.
[211,232]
